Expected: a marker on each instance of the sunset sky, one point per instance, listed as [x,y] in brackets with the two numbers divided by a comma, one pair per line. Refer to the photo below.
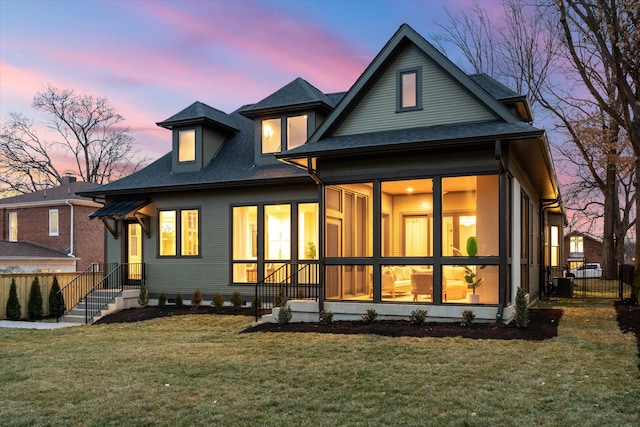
[151,59]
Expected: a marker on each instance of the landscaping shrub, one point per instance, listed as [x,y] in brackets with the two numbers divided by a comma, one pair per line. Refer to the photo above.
[34,305]
[196,298]
[285,314]
[143,299]
[13,309]
[522,310]
[467,318]
[370,316]
[162,300]
[57,307]
[418,317]
[179,302]
[326,317]
[236,299]
[218,301]
[256,303]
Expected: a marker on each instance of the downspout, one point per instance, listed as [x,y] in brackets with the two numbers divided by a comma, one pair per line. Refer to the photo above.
[71,249]
[546,204]
[318,181]
[502,212]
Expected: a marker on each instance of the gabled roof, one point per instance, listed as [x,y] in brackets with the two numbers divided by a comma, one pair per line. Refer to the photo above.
[294,96]
[66,191]
[406,34]
[200,113]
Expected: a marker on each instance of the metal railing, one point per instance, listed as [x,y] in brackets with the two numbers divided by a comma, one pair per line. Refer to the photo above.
[99,284]
[292,280]
[610,285]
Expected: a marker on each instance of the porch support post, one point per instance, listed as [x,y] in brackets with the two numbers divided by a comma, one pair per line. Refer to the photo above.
[502,158]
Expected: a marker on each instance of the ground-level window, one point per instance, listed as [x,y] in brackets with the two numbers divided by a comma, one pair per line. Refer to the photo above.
[266,237]
[555,246]
[53,222]
[185,220]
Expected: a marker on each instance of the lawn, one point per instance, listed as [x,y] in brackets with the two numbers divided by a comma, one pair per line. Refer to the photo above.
[200,370]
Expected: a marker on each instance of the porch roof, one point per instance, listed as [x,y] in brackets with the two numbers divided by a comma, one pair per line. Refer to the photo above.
[119,209]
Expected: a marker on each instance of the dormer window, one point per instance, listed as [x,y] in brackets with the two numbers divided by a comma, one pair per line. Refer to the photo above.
[409,89]
[274,140]
[187,145]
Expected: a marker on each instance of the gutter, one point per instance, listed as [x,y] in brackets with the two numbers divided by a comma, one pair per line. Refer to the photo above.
[71,249]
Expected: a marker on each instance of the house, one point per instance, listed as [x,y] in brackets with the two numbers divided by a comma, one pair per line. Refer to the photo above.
[50,230]
[581,248]
[397,194]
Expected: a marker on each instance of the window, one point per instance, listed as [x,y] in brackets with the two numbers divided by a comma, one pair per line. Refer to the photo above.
[53,222]
[187,145]
[245,244]
[296,131]
[187,221]
[13,226]
[271,136]
[272,133]
[409,92]
[576,244]
[555,246]
[189,232]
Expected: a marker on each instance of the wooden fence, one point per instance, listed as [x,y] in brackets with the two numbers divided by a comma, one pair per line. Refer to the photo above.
[23,286]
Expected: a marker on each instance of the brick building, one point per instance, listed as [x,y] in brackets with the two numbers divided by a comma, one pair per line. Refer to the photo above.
[50,230]
[581,248]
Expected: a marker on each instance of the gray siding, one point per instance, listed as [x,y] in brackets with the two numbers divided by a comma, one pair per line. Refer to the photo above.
[443,101]
[210,271]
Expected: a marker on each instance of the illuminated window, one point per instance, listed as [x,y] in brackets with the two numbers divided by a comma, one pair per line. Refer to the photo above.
[13,226]
[576,244]
[187,221]
[189,232]
[308,231]
[245,244]
[555,246]
[271,136]
[409,89]
[187,145]
[277,232]
[296,131]
[167,233]
[53,222]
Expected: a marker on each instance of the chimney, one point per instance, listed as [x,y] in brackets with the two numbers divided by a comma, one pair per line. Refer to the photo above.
[67,179]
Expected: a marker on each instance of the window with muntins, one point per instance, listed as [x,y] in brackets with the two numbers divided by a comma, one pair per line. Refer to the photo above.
[53,222]
[275,140]
[13,226]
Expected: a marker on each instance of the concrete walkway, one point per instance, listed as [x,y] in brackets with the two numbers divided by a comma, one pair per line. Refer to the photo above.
[35,325]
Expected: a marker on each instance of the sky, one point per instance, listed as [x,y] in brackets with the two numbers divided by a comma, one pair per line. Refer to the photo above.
[152,58]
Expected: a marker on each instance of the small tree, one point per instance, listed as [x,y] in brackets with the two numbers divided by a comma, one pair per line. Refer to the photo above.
[14,311]
[236,299]
[522,310]
[196,298]
[57,307]
[218,301]
[34,305]
[162,300]
[143,299]
[467,318]
[179,302]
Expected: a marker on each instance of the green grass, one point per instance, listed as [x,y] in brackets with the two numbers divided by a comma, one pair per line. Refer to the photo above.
[199,370]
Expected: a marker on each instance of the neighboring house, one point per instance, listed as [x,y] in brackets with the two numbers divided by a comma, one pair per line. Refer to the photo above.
[580,248]
[50,231]
[380,187]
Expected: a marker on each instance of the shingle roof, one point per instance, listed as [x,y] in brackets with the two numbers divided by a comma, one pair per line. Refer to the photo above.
[28,250]
[449,132]
[494,87]
[63,192]
[232,165]
[199,112]
[298,92]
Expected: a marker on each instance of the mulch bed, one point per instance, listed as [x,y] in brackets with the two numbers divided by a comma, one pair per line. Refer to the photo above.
[543,324]
[628,315]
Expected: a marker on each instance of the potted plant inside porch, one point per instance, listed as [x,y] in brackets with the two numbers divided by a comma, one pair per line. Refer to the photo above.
[471,272]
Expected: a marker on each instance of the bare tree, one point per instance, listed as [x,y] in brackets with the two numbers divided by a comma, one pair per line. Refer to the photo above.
[605,34]
[88,140]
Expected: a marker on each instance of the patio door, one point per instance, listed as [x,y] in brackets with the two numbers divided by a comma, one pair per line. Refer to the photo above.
[333,245]
[134,250]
